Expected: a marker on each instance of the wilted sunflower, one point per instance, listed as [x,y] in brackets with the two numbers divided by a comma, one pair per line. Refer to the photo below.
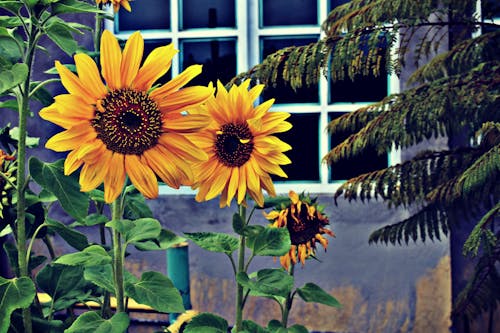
[125,127]
[305,222]
[116,4]
[241,149]
[7,169]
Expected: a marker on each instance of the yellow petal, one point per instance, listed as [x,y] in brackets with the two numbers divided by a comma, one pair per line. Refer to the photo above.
[72,163]
[73,84]
[125,4]
[177,82]
[114,180]
[162,166]
[261,109]
[233,185]
[131,59]
[71,138]
[242,185]
[92,175]
[219,182]
[89,75]
[156,65]
[141,176]
[188,123]
[185,99]
[182,147]
[111,59]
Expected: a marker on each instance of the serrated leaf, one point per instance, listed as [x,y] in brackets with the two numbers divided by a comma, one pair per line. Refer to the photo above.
[102,276]
[62,37]
[157,291]
[74,238]
[270,242]
[10,78]
[214,241]
[268,282]
[165,240]
[90,256]
[92,322]
[311,292]
[207,323]
[16,293]
[66,188]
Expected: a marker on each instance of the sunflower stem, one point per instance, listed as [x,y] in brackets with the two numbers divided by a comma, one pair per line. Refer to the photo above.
[97,34]
[118,258]
[238,325]
[287,303]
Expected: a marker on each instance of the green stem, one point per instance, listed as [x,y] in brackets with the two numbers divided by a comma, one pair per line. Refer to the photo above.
[118,258]
[97,34]
[287,303]
[241,268]
[33,238]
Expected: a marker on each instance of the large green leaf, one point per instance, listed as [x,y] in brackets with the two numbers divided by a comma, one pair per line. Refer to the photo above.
[12,5]
[247,230]
[66,188]
[252,327]
[311,292]
[165,240]
[214,241]
[157,291]
[207,323]
[90,256]
[61,35]
[143,229]
[270,242]
[15,294]
[74,238]
[10,78]
[136,207]
[92,322]
[268,282]
[102,276]
[74,6]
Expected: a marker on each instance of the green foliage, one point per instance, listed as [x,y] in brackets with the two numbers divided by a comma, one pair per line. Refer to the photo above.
[207,323]
[90,256]
[214,241]
[15,294]
[267,282]
[270,242]
[311,292]
[92,322]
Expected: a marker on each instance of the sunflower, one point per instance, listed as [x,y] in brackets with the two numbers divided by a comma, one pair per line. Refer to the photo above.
[116,4]
[305,222]
[241,150]
[126,127]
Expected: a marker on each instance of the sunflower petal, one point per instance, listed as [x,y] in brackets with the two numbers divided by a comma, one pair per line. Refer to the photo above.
[177,82]
[141,176]
[185,99]
[156,65]
[182,147]
[132,57]
[73,84]
[92,175]
[89,75]
[184,123]
[162,166]
[72,163]
[71,138]
[114,180]
[111,59]
[233,185]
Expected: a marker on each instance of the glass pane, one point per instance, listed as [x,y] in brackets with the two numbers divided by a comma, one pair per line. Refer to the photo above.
[282,92]
[352,167]
[146,14]
[335,3]
[208,14]
[304,139]
[218,57]
[490,9]
[289,12]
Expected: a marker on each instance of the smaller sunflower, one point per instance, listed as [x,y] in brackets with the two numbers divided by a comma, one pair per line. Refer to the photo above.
[306,223]
[116,4]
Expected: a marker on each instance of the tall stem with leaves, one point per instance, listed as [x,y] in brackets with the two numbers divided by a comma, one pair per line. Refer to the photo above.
[240,268]
[118,258]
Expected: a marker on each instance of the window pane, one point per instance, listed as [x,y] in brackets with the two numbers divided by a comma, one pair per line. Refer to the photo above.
[304,139]
[208,14]
[146,14]
[289,12]
[352,167]
[490,9]
[282,92]
[218,57]
[335,3]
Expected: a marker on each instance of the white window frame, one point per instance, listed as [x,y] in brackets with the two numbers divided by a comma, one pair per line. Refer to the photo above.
[247,34]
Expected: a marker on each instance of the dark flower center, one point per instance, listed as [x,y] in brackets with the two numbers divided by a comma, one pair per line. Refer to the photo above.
[234,144]
[304,228]
[129,122]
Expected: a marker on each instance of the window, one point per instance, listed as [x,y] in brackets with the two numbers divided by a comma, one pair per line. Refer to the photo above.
[228,38]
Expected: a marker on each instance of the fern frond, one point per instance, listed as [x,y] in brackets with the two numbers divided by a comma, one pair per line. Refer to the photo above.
[482,292]
[460,59]
[430,221]
[457,104]
[481,233]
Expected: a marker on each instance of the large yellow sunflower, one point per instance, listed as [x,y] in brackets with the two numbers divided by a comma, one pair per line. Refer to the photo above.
[305,222]
[241,149]
[116,4]
[125,127]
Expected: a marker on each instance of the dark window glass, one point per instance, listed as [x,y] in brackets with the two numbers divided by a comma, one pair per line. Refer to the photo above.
[490,9]
[336,3]
[304,139]
[363,88]
[146,14]
[208,14]
[352,167]
[218,57]
[282,92]
[289,12]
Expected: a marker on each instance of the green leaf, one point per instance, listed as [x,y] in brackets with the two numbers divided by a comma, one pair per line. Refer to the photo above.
[31,142]
[246,230]
[143,229]
[102,276]
[9,78]
[252,327]
[268,282]
[13,5]
[94,219]
[92,322]
[61,35]
[207,323]
[214,241]
[16,293]
[277,202]
[90,256]
[66,188]
[9,104]
[41,94]
[270,242]
[74,238]
[297,329]
[157,291]
[165,240]
[311,292]
[74,6]
[136,207]
[10,21]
